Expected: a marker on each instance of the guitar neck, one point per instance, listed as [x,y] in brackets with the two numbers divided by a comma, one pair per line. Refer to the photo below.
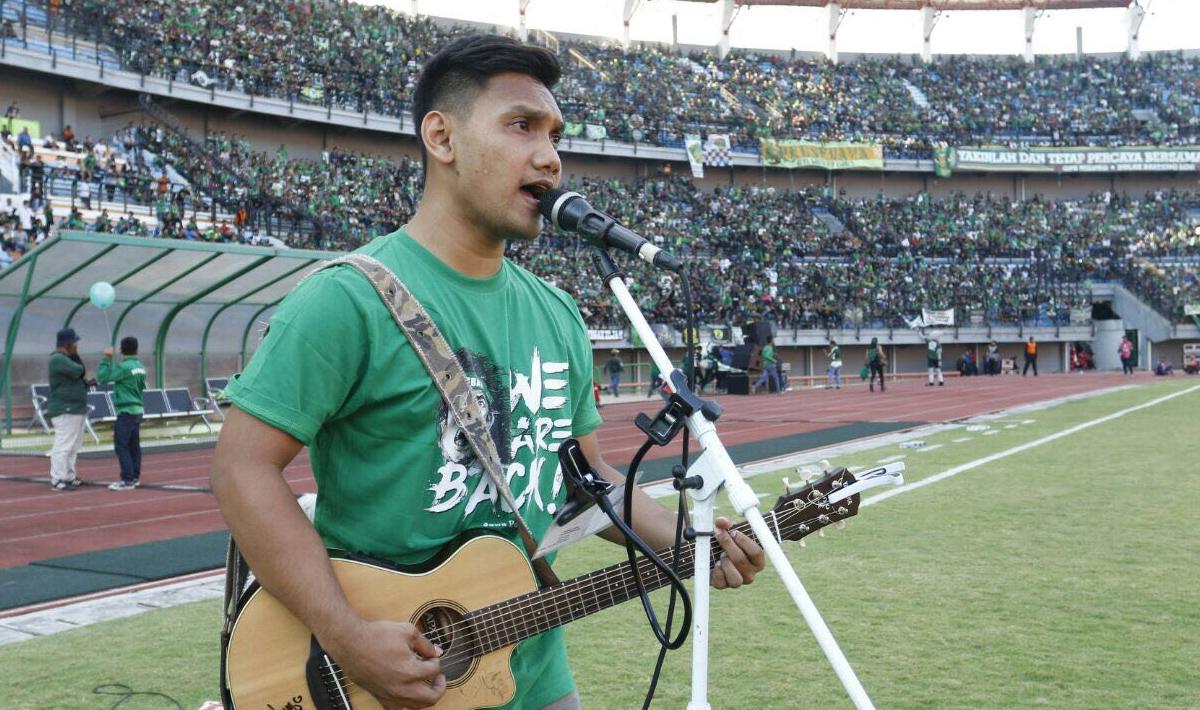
[517,619]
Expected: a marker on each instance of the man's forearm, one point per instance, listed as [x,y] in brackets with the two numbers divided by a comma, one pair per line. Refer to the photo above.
[654,523]
[282,547]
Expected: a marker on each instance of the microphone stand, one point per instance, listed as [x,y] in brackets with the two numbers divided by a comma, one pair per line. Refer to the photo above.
[711,470]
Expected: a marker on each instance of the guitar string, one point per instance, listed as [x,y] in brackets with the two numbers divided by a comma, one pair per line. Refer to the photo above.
[588,580]
[502,613]
[494,625]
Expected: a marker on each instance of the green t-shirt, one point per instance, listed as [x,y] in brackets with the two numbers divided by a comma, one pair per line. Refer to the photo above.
[129,380]
[395,480]
[768,355]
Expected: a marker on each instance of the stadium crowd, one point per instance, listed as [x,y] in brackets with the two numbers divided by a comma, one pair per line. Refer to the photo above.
[805,258]
[366,58]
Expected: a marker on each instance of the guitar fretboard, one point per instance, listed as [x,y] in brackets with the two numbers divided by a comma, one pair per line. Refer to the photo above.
[514,620]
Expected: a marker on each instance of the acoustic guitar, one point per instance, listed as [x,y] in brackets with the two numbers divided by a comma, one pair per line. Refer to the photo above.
[476,602]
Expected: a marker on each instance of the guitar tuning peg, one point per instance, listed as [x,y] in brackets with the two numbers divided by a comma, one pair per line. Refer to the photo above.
[841,525]
[821,532]
[825,465]
[802,543]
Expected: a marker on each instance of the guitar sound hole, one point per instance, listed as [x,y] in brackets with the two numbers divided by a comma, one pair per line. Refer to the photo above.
[445,627]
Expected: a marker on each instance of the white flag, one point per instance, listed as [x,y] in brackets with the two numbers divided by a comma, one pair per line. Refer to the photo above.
[695,154]
[945,317]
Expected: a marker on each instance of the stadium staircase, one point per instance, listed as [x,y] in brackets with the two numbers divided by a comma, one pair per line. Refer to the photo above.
[829,219]
[918,96]
[1138,315]
[273,205]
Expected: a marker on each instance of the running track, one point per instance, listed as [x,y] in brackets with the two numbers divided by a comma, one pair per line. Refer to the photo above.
[37,523]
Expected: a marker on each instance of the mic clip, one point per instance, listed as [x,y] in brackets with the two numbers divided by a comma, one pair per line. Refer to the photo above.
[672,418]
[584,487]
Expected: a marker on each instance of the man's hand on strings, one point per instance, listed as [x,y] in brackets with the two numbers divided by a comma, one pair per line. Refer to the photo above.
[741,557]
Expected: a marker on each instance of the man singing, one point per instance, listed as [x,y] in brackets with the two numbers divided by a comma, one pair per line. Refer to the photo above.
[334,373]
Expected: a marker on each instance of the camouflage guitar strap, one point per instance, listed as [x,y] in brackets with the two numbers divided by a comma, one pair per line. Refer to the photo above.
[447,373]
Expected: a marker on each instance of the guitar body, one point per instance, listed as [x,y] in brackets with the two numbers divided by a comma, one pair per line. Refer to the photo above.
[269,649]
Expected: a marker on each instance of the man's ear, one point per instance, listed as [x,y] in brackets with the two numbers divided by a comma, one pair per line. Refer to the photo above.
[436,132]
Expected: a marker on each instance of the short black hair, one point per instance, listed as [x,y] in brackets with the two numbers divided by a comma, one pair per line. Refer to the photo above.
[453,77]
[129,345]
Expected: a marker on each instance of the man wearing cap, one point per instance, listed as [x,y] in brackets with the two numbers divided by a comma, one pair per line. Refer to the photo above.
[129,380]
[66,409]
[613,367]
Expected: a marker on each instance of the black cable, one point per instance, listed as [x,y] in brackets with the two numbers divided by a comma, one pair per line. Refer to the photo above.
[632,541]
[124,692]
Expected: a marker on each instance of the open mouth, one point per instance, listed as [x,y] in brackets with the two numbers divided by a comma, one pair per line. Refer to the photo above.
[535,190]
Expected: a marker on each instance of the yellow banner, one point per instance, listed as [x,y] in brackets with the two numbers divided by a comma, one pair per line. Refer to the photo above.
[830,156]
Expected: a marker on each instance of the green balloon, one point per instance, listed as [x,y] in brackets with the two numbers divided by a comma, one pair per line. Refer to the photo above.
[102,295]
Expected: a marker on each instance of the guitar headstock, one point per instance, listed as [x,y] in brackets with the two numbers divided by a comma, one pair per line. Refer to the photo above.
[809,509]
[829,499]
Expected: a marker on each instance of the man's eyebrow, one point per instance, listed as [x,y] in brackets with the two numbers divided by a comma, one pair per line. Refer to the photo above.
[537,114]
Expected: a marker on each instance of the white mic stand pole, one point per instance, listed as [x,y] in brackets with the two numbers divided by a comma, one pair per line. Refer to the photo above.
[715,468]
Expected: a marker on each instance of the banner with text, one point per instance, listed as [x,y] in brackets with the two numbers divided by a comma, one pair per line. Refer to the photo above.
[1192,309]
[1076,160]
[830,156]
[939,317]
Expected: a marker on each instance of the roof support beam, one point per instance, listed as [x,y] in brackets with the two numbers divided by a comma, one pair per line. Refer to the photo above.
[117,282]
[208,326]
[160,340]
[249,327]
[150,294]
[10,341]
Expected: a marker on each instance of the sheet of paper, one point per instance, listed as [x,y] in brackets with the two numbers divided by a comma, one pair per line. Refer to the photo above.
[589,522]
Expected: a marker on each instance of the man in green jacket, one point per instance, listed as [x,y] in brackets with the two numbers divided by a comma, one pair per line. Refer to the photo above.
[129,379]
[66,409]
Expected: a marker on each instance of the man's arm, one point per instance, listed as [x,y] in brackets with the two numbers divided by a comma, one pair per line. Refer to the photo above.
[655,524]
[107,372]
[392,660]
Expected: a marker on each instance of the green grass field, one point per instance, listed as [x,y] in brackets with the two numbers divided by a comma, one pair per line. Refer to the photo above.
[1065,576]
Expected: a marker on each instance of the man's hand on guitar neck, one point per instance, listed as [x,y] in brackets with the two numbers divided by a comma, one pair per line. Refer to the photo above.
[393,661]
[742,558]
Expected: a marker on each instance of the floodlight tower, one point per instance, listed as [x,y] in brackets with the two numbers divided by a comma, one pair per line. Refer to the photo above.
[1136,14]
[836,15]
[929,19]
[522,27]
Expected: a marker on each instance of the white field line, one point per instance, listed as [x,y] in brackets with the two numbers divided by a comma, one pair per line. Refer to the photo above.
[890,459]
[933,447]
[962,439]
[1023,447]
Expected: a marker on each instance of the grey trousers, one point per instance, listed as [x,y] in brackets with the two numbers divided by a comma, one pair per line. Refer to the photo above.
[567,702]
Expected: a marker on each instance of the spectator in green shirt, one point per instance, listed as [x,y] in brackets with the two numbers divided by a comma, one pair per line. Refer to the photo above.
[129,380]
[770,367]
[66,409]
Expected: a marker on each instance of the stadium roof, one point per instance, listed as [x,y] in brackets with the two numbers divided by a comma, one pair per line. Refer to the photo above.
[942,4]
[206,297]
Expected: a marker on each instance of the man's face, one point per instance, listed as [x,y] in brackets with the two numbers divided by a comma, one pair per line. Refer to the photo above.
[506,155]
[72,348]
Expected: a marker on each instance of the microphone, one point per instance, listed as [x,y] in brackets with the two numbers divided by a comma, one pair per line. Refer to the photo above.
[569,212]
